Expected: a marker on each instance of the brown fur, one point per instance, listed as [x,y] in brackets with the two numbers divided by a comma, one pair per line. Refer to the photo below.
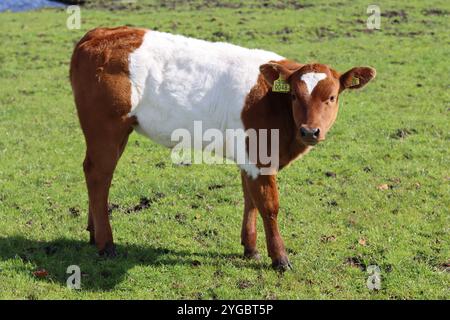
[100,80]
[288,113]
[102,90]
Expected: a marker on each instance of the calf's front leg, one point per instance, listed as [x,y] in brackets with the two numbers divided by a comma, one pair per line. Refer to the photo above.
[264,193]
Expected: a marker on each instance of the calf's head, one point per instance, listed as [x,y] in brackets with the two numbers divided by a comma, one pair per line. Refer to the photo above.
[314,93]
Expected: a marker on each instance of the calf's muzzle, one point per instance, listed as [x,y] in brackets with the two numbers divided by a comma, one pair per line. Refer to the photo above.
[309,133]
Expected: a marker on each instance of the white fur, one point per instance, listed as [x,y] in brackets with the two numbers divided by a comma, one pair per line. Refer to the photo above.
[177,80]
[311,79]
[251,170]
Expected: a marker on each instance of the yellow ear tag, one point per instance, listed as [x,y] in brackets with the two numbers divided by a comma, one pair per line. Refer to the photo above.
[280,85]
[355,81]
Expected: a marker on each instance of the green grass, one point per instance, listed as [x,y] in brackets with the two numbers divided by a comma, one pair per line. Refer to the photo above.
[187,243]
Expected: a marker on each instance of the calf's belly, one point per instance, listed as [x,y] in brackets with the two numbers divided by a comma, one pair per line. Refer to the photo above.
[167,126]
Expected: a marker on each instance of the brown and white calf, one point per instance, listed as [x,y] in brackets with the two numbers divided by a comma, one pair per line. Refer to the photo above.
[154,82]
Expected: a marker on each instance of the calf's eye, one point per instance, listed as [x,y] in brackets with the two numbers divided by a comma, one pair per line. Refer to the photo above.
[332,98]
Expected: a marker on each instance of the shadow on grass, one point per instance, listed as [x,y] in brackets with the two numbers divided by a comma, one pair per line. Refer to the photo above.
[100,273]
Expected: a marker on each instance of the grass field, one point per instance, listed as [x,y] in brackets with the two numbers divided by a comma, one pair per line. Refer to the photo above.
[385,200]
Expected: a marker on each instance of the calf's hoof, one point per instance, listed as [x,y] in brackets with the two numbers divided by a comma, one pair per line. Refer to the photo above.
[282,264]
[108,252]
[252,254]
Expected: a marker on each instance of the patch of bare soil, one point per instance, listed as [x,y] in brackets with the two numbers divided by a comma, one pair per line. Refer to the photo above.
[434,12]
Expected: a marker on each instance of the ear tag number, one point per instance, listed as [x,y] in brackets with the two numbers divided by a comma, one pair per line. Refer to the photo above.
[280,85]
[355,81]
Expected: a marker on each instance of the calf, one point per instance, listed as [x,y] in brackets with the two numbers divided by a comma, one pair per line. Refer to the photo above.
[154,82]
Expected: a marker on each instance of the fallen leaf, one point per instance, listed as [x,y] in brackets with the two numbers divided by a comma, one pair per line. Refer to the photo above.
[383,186]
[362,242]
[42,273]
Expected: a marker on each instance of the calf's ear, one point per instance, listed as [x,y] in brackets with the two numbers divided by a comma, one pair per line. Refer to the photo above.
[356,78]
[274,69]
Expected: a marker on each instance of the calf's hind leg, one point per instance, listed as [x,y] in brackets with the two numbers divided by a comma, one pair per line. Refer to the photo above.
[103,152]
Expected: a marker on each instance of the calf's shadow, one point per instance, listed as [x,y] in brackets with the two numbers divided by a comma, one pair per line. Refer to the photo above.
[98,273]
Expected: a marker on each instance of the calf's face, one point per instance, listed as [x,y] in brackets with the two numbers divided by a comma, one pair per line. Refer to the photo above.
[314,93]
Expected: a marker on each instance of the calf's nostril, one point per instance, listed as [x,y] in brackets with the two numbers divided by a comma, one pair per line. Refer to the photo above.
[303,132]
[315,132]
